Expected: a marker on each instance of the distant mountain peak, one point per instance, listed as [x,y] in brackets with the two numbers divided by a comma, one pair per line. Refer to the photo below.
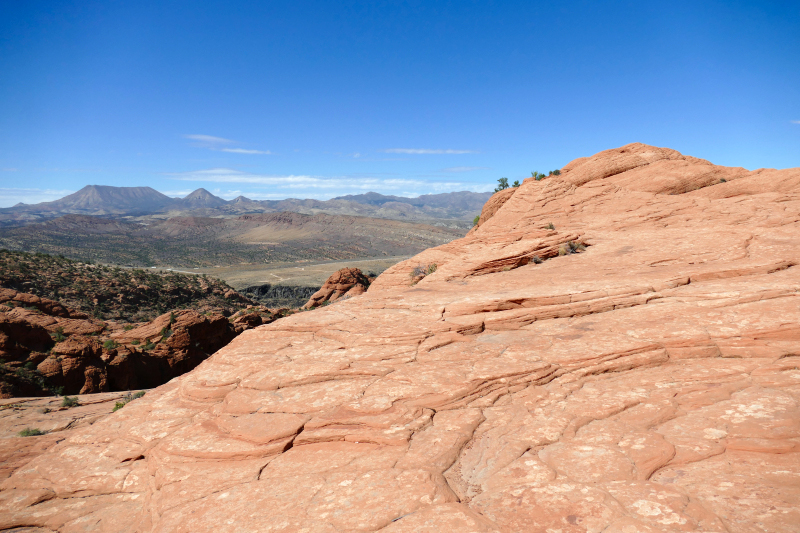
[202,198]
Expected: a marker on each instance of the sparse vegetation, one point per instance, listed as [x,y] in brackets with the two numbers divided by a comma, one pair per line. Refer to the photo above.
[58,335]
[476,220]
[30,432]
[128,398]
[420,271]
[539,176]
[69,402]
[550,226]
[571,247]
[502,184]
[131,295]
[110,344]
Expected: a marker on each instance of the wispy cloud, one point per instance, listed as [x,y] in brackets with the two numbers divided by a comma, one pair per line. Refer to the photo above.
[308,186]
[9,170]
[221,144]
[208,141]
[795,121]
[245,151]
[463,169]
[426,151]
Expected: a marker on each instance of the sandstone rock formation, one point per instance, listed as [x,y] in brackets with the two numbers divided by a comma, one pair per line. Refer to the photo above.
[47,348]
[344,283]
[646,381]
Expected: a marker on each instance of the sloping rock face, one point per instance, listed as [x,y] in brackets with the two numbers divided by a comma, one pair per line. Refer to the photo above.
[642,375]
[344,283]
[52,420]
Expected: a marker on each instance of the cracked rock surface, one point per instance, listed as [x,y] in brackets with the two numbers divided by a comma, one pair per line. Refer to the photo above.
[616,349]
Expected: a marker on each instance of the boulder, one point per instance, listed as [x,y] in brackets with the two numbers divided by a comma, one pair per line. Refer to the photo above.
[344,283]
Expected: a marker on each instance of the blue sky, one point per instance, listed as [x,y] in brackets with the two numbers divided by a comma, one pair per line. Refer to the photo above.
[318,99]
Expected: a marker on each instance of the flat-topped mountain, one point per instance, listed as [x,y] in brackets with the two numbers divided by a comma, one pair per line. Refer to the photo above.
[103,200]
[613,349]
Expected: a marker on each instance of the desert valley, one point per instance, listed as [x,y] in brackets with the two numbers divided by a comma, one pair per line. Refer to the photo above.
[612,349]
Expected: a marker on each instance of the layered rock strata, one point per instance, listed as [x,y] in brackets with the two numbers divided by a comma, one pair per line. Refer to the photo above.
[614,349]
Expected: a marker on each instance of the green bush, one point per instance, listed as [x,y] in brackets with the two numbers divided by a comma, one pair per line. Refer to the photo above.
[536,175]
[30,432]
[69,402]
[149,346]
[110,344]
[475,220]
[515,184]
[59,336]
[550,226]
[127,399]
[502,184]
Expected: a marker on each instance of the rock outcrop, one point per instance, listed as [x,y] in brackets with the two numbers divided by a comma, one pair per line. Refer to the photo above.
[344,283]
[47,348]
[615,349]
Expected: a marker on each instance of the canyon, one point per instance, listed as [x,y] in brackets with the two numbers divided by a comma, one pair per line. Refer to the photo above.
[614,349]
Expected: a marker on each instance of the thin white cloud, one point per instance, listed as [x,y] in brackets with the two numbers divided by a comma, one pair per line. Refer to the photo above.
[9,170]
[208,140]
[245,151]
[426,151]
[795,121]
[307,186]
[10,197]
[221,144]
[463,169]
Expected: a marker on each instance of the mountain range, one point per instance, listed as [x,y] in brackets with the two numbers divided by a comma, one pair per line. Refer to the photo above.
[453,209]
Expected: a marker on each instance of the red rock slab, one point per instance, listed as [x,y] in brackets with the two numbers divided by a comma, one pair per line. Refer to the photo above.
[47,415]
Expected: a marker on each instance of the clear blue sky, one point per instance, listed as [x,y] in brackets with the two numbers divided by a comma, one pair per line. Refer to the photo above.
[317,99]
